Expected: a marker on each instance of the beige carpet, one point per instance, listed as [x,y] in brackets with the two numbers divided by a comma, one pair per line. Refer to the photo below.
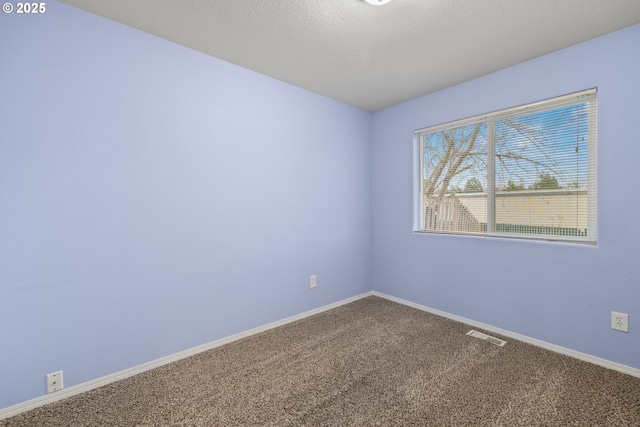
[371,362]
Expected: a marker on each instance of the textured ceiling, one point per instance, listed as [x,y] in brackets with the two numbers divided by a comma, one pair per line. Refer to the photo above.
[372,56]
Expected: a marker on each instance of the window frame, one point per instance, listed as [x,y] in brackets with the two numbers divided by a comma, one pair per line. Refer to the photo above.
[587,96]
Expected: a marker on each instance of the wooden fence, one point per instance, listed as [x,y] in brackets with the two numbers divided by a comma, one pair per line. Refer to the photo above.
[449,214]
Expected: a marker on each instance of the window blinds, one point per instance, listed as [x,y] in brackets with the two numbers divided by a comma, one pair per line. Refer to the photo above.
[527,172]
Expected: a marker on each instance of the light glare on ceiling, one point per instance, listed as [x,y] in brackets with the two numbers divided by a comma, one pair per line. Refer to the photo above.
[377,2]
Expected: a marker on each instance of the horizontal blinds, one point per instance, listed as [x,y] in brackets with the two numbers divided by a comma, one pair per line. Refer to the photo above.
[525,172]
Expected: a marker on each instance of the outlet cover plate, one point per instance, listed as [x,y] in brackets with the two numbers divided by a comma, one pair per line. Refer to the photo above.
[619,321]
[54,382]
[312,281]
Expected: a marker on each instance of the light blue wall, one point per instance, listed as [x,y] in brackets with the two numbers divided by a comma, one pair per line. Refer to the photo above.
[559,293]
[153,198]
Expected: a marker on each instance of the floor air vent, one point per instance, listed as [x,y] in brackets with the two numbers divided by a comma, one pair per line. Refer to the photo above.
[492,340]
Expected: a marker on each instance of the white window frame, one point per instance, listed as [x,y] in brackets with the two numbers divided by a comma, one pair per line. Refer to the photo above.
[490,119]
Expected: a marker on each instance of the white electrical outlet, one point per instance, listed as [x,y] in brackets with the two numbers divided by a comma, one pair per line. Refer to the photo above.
[312,281]
[620,321]
[54,382]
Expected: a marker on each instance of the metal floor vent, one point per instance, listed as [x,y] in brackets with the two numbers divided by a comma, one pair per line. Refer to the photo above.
[492,340]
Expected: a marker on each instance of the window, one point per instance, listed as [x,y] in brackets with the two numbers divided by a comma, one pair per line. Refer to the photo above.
[526,172]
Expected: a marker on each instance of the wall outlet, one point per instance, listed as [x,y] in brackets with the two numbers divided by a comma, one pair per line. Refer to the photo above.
[54,382]
[620,321]
[312,281]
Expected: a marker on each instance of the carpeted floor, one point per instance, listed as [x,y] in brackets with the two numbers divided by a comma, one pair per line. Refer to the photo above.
[371,362]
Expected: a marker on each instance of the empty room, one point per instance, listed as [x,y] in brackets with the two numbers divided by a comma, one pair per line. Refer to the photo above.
[337,212]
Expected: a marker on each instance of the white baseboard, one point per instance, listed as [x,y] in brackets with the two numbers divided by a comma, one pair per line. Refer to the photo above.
[107,379]
[538,343]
